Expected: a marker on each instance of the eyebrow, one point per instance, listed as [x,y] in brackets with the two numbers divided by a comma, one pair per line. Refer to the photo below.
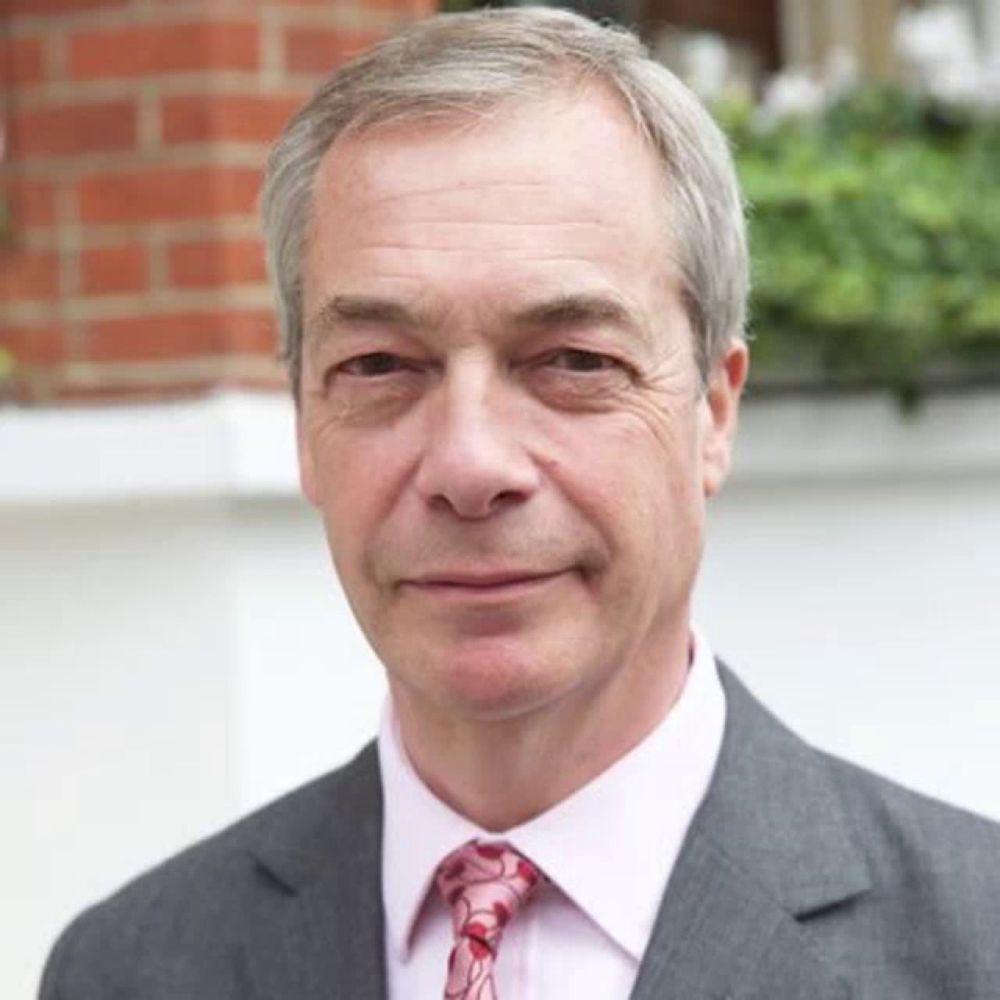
[361,310]
[576,309]
[573,309]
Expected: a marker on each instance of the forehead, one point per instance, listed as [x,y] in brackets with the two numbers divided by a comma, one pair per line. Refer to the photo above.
[552,188]
[582,141]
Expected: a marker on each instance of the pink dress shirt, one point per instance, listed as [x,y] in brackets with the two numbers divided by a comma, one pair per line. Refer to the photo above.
[608,851]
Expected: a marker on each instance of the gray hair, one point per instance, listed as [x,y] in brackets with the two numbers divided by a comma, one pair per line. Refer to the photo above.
[473,63]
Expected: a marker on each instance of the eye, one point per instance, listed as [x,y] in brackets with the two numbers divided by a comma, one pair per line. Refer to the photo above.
[574,359]
[374,364]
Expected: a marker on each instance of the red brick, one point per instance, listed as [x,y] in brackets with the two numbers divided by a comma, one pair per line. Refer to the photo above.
[151,50]
[240,118]
[70,130]
[118,269]
[145,381]
[182,335]
[278,382]
[140,384]
[22,60]
[40,7]
[30,202]
[415,8]
[29,275]
[164,194]
[318,51]
[33,345]
[213,263]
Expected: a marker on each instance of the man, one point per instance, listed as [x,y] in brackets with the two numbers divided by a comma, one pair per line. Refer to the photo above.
[511,270]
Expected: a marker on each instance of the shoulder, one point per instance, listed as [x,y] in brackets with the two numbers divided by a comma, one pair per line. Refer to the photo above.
[889,819]
[180,920]
[923,892]
[932,915]
[910,839]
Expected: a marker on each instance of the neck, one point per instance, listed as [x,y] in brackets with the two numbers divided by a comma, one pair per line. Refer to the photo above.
[500,773]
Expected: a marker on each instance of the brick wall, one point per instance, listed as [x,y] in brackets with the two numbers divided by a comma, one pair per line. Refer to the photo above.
[135,134]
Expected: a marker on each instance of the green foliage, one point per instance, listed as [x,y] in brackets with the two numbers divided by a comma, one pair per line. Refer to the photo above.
[875,234]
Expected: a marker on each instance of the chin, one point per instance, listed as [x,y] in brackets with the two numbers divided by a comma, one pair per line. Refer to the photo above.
[488,681]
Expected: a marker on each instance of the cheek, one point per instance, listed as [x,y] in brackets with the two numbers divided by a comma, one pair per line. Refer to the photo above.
[351,487]
[632,480]
[644,455]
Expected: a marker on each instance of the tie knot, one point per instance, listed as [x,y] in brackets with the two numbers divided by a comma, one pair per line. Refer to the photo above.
[484,885]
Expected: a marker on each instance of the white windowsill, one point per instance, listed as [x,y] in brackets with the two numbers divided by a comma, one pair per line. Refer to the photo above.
[228,444]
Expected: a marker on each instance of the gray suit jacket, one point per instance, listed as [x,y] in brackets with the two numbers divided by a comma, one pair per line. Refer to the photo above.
[802,878]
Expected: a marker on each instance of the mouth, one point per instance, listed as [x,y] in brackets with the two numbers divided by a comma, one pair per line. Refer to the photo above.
[477,584]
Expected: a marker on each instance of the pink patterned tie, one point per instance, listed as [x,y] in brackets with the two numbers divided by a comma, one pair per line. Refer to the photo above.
[484,885]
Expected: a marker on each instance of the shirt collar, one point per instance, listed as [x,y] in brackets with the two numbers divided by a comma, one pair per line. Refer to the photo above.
[632,818]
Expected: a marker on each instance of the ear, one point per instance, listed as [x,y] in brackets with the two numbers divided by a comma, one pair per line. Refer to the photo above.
[719,412]
[307,465]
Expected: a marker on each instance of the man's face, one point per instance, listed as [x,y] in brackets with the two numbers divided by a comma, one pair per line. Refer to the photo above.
[501,418]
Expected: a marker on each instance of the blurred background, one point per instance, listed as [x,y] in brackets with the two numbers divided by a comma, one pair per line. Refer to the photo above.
[174,649]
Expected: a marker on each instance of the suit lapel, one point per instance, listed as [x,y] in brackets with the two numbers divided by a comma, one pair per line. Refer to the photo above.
[318,934]
[768,852]
[719,935]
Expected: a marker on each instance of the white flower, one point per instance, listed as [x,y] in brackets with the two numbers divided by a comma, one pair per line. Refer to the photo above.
[706,65]
[792,94]
[935,38]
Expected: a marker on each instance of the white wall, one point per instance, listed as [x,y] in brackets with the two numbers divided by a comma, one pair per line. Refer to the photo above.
[866,614]
[174,649]
[311,688]
[853,577]
[117,717]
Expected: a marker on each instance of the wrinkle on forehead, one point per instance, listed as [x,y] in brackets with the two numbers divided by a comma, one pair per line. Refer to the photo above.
[463,203]
[509,223]
[501,182]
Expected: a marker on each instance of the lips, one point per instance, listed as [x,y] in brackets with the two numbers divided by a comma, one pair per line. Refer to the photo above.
[482,582]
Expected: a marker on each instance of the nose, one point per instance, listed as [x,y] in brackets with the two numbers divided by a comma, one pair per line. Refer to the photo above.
[475,461]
